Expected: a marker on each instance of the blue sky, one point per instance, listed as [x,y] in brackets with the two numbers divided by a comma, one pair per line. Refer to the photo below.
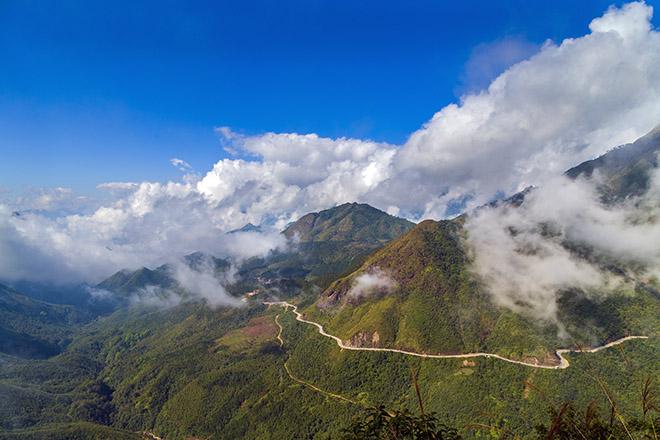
[93,92]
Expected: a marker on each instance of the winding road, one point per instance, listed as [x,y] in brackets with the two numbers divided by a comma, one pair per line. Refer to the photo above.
[563,364]
[300,381]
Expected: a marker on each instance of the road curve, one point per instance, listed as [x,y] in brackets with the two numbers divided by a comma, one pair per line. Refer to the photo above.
[563,364]
[300,381]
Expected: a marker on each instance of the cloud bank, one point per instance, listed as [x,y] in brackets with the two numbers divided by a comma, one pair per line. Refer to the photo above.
[568,102]
[524,256]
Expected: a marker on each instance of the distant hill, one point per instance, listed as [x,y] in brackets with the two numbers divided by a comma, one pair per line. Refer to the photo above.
[247,228]
[34,329]
[126,282]
[350,222]
[326,244]
[191,371]
[129,285]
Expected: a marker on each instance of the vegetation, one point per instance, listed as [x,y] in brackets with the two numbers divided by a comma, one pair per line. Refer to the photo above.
[385,425]
[35,329]
[350,222]
[437,306]
[625,169]
[191,371]
[327,244]
[566,423]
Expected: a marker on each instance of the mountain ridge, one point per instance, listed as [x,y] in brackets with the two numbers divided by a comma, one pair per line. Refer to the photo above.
[347,222]
[438,305]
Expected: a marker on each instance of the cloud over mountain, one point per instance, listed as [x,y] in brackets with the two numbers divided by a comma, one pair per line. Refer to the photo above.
[526,255]
[568,102]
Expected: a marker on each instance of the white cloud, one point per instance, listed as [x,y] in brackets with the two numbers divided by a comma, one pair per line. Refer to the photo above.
[567,103]
[631,22]
[296,174]
[58,200]
[374,282]
[152,225]
[203,281]
[118,186]
[180,164]
[520,252]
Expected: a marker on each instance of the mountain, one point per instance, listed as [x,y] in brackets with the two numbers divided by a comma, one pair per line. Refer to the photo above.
[79,296]
[127,282]
[35,329]
[326,244]
[348,223]
[625,169]
[249,227]
[200,261]
[419,295]
[417,292]
[195,372]
[190,371]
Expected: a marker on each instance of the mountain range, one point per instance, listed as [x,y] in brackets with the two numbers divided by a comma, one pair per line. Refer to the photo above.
[371,279]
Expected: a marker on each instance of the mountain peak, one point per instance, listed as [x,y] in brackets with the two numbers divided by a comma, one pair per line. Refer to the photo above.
[249,227]
[624,169]
[348,222]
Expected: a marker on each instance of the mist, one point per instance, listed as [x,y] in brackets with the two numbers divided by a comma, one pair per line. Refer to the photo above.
[375,281]
[525,256]
[205,282]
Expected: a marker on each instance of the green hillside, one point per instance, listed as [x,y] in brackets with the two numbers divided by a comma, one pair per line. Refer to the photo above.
[324,246]
[193,372]
[350,222]
[126,282]
[436,306]
[71,431]
[32,328]
[190,371]
[127,285]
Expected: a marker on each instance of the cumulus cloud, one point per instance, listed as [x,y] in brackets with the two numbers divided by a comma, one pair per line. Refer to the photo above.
[526,255]
[295,174]
[374,282]
[570,101]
